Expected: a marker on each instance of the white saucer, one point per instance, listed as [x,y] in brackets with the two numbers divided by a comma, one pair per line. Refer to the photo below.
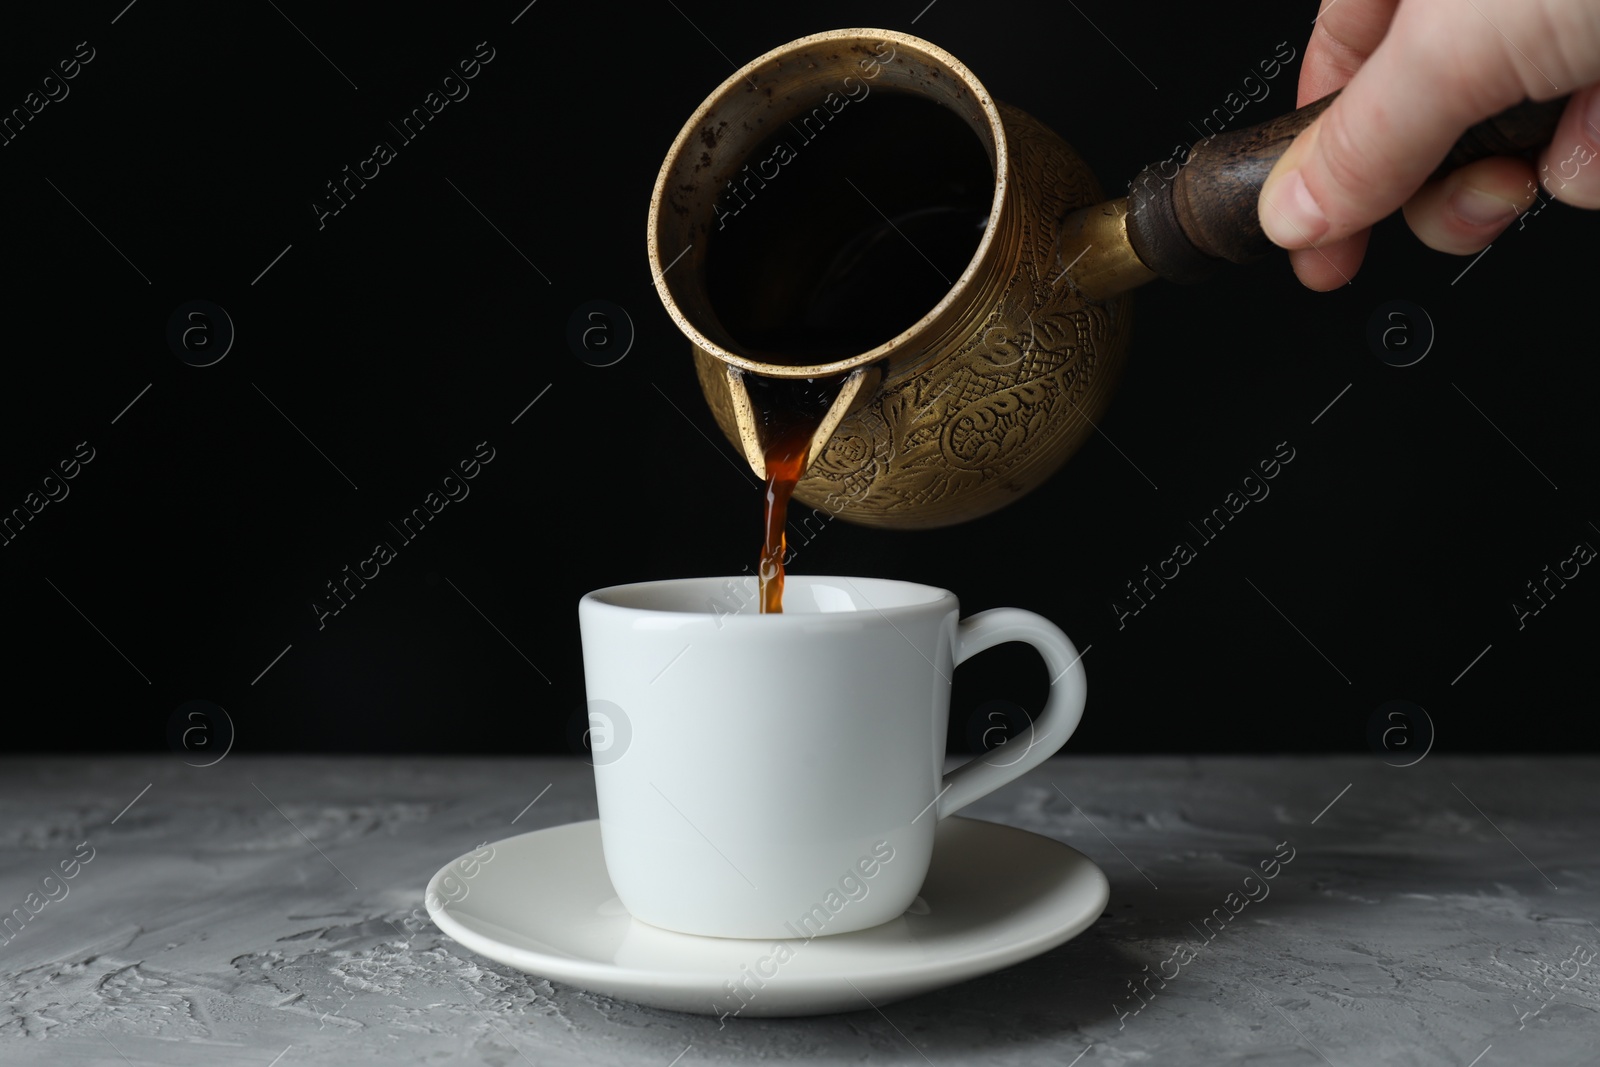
[995,896]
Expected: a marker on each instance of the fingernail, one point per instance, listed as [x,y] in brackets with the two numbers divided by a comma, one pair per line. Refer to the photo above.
[1479,208]
[1292,218]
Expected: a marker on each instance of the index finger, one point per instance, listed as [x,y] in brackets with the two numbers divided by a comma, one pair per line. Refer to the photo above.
[1344,34]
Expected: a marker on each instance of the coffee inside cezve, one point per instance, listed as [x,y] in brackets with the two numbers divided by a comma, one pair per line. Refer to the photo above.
[838,234]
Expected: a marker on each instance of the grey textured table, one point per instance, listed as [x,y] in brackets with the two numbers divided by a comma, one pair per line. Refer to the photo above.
[263,907]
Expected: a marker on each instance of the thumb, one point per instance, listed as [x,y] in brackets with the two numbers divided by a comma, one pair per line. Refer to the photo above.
[1380,140]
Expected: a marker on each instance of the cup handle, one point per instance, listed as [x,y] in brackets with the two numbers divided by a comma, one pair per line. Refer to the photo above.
[1063,707]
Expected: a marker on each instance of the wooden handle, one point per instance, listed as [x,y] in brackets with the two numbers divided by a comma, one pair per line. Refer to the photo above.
[1186,225]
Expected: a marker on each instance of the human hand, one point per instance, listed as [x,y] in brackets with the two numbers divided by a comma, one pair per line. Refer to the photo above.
[1416,74]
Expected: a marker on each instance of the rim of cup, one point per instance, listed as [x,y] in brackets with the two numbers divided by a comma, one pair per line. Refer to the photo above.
[678,597]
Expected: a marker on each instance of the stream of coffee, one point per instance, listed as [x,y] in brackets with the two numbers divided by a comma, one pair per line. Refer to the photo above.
[854,234]
[788,412]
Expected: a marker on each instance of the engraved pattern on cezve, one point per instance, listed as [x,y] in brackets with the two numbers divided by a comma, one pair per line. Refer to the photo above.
[995,414]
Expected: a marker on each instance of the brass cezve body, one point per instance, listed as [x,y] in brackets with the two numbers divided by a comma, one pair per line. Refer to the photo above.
[993,389]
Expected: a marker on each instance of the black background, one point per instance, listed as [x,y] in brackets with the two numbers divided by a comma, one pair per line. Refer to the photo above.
[407,330]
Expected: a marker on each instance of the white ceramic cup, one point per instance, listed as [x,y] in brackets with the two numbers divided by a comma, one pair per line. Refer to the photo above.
[779,776]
